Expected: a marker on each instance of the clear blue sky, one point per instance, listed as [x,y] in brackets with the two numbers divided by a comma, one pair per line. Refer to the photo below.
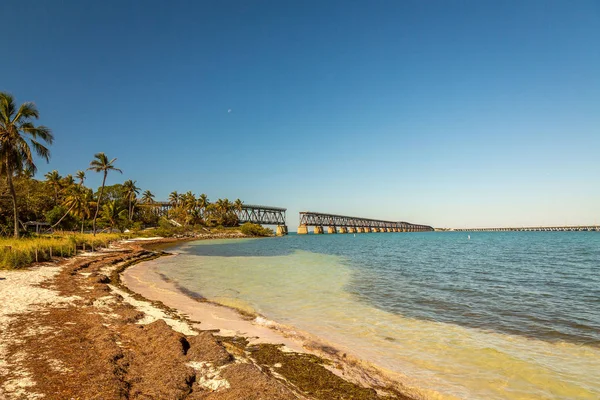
[448,113]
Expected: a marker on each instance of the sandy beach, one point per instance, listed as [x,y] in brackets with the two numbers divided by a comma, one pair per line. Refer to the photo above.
[75,329]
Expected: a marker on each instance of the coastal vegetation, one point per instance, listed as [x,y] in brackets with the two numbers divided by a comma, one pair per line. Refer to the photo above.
[64,204]
[251,229]
[18,135]
[16,253]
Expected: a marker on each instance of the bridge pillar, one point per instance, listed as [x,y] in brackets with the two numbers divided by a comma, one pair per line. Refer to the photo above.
[281,230]
[352,230]
[303,230]
[331,229]
[343,229]
[318,230]
[360,229]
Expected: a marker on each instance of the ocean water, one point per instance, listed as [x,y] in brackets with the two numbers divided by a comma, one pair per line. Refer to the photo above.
[502,315]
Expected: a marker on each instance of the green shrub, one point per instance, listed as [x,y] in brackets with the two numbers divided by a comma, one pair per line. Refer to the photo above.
[251,229]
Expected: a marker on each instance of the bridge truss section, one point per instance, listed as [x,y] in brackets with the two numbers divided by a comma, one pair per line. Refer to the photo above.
[309,218]
[263,215]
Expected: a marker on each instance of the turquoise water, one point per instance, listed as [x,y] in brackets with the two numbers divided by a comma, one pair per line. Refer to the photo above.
[503,315]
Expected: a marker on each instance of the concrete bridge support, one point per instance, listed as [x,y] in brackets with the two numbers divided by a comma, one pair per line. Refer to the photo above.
[282,230]
[352,230]
[318,230]
[303,230]
[343,229]
[331,229]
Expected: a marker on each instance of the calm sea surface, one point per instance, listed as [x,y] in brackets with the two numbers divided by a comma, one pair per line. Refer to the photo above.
[504,315]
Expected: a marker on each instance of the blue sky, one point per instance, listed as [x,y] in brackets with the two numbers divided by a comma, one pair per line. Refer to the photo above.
[449,113]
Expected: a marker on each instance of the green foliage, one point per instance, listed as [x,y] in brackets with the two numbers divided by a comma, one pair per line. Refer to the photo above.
[68,222]
[114,192]
[35,199]
[251,229]
[18,136]
[167,229]
[114,215]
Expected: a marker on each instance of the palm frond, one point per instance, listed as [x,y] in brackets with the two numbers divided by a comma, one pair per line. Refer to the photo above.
[41,150]
[7,107]
[26,111]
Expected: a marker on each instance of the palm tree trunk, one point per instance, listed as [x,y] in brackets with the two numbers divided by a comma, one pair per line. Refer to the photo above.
[63,217]
[13,195]
[98,205]
[82,222]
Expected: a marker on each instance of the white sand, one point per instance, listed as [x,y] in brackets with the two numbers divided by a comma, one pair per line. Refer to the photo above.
[20,293]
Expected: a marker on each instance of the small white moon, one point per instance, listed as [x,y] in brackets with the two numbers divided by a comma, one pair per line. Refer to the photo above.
[229,110]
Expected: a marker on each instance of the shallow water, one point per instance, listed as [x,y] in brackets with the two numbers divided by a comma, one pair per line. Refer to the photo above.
[504,315]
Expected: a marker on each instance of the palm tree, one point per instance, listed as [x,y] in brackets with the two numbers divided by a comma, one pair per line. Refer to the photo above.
[53,179]
[81,176]
[79,202]
[101,164]
[67,182]
[147,197]
[72,192]
[17,133]
[238,205]
[202,203]
[174,198]
[112,214]
[131,192]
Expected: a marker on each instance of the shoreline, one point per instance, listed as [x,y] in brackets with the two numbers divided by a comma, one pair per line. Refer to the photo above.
[75,321]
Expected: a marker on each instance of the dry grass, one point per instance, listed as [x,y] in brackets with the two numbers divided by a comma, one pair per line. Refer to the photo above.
[18,253]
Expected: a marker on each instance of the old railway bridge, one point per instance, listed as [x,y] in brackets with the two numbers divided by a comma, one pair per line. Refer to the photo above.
[582,228]
[263,215]
[268,215]
[345,224]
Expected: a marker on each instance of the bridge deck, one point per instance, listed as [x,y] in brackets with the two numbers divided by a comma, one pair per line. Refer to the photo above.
[257,214]
[309,218]
[535,229]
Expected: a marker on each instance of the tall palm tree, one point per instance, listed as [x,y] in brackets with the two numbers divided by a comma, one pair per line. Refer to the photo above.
[54,180]
[81,176]
[147,197]
[17,134]
[203,203]
[174,198]
[131,192]
[101,164]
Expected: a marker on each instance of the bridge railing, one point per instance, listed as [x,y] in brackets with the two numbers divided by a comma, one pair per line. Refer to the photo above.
[334,221]
[257,214]
[581,228]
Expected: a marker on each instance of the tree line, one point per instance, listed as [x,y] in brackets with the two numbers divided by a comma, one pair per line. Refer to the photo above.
[66,203]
